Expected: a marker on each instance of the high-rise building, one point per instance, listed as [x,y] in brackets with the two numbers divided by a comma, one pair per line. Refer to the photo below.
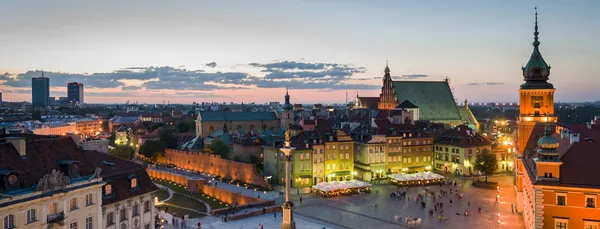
[0,97]
[40,90]
[75,92]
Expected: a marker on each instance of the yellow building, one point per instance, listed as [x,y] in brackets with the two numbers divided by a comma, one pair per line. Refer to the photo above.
[456,150]
[339,156]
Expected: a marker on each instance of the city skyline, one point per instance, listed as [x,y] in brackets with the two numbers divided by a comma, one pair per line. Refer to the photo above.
[250,52]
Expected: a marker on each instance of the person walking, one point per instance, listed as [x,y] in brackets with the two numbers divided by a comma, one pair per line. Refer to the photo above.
[300,200]
[275,215]
[469,203]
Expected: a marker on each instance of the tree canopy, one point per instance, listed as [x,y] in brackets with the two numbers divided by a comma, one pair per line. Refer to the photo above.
[151,149]
[486,162]
[166,135]
[218,147]
[124,152]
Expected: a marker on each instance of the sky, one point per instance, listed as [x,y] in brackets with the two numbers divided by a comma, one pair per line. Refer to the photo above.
[156,51]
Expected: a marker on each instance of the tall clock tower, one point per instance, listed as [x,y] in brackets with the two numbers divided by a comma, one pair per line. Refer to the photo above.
[536,107]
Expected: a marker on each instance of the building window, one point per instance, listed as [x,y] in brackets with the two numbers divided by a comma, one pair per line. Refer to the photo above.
[146,206]
[89,199]
[560,223]
[110,219]
[590,201]
[9,221]
[347,156]
[328,167]
[107,189]
[135,210]
[301,156]
[333,166]
[133,182]
[341,156]
[31,216]
[591,224]
[123,214]
[561,199]
[89,223]
[73,225]
[73,204]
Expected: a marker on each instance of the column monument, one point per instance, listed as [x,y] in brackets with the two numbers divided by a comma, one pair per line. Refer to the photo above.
[287,207]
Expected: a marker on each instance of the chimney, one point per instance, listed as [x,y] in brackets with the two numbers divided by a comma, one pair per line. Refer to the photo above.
[574,137]
[19,144]
[564,133]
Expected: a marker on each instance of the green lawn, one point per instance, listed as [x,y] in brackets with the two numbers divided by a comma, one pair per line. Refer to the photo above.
[162,194]
[214,204]
[186,202]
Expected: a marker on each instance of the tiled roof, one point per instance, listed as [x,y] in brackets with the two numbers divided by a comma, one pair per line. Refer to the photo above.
[369,102]
[434,98]
[467,116]
[44,153]
[463,136]
[235,116]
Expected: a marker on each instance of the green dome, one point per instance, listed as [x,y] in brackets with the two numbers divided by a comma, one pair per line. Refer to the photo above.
[547,142]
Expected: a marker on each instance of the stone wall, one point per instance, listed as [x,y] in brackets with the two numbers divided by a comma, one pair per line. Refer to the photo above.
[192,185]
[215,165]
[198,186]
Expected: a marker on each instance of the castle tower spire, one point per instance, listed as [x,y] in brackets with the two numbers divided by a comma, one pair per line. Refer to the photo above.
[537,71]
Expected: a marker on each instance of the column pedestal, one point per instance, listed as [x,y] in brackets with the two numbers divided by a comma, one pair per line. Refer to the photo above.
[288,216]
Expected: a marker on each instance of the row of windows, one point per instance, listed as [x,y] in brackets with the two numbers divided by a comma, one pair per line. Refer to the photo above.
[416,142]
[456,150]
[329,156]
[345,146]
[563,224]
[110,217]
[590,200]
[421,149]
[9,221]
[342,166]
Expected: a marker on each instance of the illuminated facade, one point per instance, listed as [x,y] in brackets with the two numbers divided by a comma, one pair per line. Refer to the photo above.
[555,183]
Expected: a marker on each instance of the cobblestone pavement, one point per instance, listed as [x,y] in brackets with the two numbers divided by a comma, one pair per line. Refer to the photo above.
[268,222]
[379,210]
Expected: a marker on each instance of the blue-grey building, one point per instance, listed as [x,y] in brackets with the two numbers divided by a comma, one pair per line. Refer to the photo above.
[40,91]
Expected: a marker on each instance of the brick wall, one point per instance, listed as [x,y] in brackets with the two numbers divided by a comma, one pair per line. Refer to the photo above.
[215,165]
[192,185]
[198,186]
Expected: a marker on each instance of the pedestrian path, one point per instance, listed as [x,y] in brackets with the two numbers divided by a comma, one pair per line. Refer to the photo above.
[171,193]
[268,222]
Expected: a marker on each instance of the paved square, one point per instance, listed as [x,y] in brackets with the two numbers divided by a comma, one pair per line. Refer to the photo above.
[360,211]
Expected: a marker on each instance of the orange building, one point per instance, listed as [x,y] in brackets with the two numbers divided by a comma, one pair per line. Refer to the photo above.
[555,182]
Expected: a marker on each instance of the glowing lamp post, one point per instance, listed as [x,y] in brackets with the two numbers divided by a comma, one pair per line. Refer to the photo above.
[287,207]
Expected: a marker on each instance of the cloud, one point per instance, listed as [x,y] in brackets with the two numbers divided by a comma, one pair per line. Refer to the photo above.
[279,74]
[131,88]
[484,83]
[410,77]
[211,64]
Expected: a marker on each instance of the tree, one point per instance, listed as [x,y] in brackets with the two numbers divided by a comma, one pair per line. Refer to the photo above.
[150,149]
[166,135]
[218,147]
[124,152]
[486,162]
[183,127]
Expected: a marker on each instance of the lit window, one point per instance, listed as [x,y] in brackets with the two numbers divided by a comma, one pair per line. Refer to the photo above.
[52,208]
[591,224]
[73,204]
[107,189]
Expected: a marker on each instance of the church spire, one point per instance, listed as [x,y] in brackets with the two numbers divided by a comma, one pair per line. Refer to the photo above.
[387,69]
[287,105]
[466,102]
[536,42]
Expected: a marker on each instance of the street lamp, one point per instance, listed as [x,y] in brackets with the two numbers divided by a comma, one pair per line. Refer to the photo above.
[287,207]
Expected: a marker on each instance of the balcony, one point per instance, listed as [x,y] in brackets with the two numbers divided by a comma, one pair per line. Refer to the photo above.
[57,218]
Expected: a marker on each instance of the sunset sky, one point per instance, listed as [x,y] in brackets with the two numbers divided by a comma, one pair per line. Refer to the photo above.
[243,51]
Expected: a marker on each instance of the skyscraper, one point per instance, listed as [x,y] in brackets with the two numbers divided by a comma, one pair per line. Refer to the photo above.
[75,92]
[40,90]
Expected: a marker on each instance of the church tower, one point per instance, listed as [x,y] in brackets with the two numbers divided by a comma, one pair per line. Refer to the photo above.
[536,107]
[387,98]
[287,115]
